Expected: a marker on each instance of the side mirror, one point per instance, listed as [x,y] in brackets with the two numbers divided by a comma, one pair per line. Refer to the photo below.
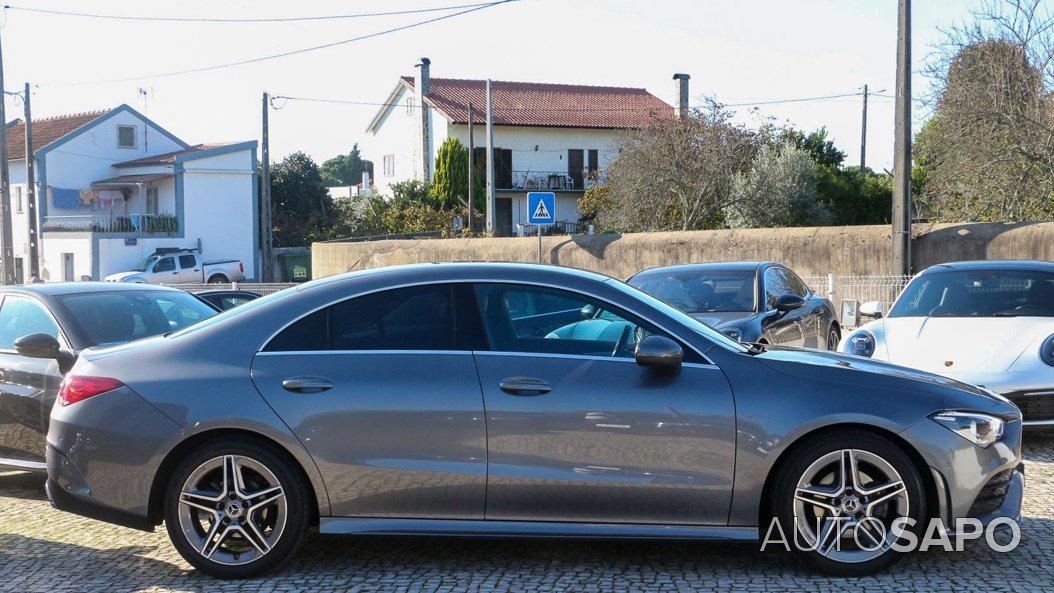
[659,352]
[588,311]
[872,309]
[789,302]
[38,346]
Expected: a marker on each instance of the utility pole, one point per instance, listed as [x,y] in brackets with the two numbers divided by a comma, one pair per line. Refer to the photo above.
[902,145]
[490,161]
[863,135]
[7,251]
[265,194]
[31,193]
[471,166]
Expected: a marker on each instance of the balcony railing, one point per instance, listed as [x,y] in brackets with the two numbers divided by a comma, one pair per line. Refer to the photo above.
[106,223]
[545,181]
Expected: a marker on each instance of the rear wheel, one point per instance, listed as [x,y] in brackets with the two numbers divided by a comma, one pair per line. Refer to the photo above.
[218,279]
[838,496]
[833,337]
[236,509]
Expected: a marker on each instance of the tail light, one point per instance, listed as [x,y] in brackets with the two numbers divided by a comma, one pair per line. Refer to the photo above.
[77,388]
[241,267]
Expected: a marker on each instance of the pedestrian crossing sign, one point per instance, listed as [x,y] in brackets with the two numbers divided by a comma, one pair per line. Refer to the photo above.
[542,207]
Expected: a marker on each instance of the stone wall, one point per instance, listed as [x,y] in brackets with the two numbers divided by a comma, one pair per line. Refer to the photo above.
[810,251]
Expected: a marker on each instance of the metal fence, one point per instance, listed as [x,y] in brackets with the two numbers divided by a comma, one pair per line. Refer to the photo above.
[862,289]
[257,287]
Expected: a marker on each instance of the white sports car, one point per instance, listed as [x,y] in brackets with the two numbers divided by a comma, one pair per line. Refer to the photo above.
[988,323]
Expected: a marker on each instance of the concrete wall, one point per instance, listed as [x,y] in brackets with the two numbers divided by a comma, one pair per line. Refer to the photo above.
[809,251]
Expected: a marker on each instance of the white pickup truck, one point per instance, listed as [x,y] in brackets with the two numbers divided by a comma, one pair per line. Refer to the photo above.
[182,267]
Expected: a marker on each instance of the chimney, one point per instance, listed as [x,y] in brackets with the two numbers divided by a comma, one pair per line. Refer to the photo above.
[422,81]
[681,108]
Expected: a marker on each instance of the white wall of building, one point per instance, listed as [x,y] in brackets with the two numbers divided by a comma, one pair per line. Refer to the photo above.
[218,203]
[52,264]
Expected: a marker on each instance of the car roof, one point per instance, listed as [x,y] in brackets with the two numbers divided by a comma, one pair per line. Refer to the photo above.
[61,288]
[994,265]
[712,266]
[514,270]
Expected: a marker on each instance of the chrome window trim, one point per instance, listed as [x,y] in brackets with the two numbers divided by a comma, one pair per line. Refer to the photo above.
[694,365]
[260,350]
[371,352]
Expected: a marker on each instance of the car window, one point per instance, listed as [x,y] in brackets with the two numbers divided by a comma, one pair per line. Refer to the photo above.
[575,324]
[231,302]
[20,316]
[775,286]
[109,318]
[796,285]
[187,262]
[165,264]
[978,293]
[413,318]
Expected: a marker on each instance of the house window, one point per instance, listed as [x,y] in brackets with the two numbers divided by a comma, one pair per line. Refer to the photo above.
[389,165]
[126,137]
[151,200]
[18,200]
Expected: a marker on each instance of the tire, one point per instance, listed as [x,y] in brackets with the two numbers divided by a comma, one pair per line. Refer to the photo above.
[268,525]
[218,279]
[797,482]
[834,337]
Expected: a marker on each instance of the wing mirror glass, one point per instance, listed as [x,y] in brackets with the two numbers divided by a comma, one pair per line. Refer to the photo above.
[38,346]
[789,302]
[659,352]
[872,309]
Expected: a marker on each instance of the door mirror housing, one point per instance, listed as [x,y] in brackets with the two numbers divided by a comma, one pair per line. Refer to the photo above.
[872,309]
[659,352]
[38,346]
[588,311]
[789,302]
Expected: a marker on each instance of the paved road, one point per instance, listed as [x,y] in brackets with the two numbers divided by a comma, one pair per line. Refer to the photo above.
[47,551]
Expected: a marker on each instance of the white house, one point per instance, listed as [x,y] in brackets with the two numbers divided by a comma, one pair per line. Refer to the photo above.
[547,137]
[113,186]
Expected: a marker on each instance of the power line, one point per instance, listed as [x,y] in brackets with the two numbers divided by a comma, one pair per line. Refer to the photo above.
[178,19]
[798,100]
[289,53]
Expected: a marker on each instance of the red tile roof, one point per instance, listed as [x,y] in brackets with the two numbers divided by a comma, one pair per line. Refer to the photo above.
[167,158]
[46,131]
[544,104]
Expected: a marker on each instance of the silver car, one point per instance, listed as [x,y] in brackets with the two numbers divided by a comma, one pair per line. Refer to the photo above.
[513,400]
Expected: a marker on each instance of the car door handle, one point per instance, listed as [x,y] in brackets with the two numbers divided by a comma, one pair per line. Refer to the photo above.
[525,386]
[307,384]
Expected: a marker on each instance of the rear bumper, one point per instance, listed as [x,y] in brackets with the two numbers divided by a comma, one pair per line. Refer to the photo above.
[64,501]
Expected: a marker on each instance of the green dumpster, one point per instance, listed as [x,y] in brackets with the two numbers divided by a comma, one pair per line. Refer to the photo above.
[296,267]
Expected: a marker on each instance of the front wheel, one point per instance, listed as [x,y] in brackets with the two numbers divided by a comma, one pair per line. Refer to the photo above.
[837,497]
[236,509]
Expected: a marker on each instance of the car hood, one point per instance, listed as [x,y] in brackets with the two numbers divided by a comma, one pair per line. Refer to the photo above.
[957,344]
[717,319]
[121,276]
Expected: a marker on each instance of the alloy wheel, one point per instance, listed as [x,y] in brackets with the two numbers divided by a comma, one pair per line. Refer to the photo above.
[845,504]
[232,509]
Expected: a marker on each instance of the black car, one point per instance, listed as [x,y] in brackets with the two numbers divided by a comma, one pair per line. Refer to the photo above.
[44,327]
[763,302]
[227,299]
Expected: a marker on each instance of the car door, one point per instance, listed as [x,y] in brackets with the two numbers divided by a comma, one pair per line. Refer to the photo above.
[383,392]
[577,431]
[28,386]
[189,268]
[165,272]
[783,329]
[811,314]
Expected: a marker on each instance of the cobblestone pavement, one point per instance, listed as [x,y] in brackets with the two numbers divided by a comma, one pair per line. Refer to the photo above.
[48,551]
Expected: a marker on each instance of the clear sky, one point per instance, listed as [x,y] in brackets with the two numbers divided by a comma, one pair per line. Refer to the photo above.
[735,51]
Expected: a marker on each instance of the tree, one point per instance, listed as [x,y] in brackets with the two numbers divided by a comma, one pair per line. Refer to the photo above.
[450,186]
[300,202]
[988,151]
[346,169]
[778,191]
[677,174]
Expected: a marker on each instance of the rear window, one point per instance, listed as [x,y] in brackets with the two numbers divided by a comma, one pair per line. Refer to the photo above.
[109,318]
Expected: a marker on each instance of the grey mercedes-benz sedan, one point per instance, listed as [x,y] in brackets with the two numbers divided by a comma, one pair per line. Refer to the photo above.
[513,400]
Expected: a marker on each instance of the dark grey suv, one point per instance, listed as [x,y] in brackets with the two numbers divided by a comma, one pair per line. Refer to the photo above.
[512,400]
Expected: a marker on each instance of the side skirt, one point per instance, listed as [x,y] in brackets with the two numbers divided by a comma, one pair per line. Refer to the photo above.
[528,529]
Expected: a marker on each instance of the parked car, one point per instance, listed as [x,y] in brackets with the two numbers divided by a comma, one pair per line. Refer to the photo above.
[762,302]
[227,299]
[43,329]
[435,399]
[182,267]
[989,323]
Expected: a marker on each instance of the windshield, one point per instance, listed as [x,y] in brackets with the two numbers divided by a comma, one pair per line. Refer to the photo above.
[110,318]
[701,328]
[701,290]
[978,293]
[146,263]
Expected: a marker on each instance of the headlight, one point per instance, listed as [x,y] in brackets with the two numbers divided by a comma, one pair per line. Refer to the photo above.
[1046,351]
[980,429]
[732,333]
[861,343]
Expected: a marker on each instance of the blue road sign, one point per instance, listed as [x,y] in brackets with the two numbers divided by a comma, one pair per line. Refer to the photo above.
[541,205]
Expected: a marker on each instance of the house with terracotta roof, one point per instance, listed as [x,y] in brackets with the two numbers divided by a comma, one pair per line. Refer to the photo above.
[112,187]
[547,137]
